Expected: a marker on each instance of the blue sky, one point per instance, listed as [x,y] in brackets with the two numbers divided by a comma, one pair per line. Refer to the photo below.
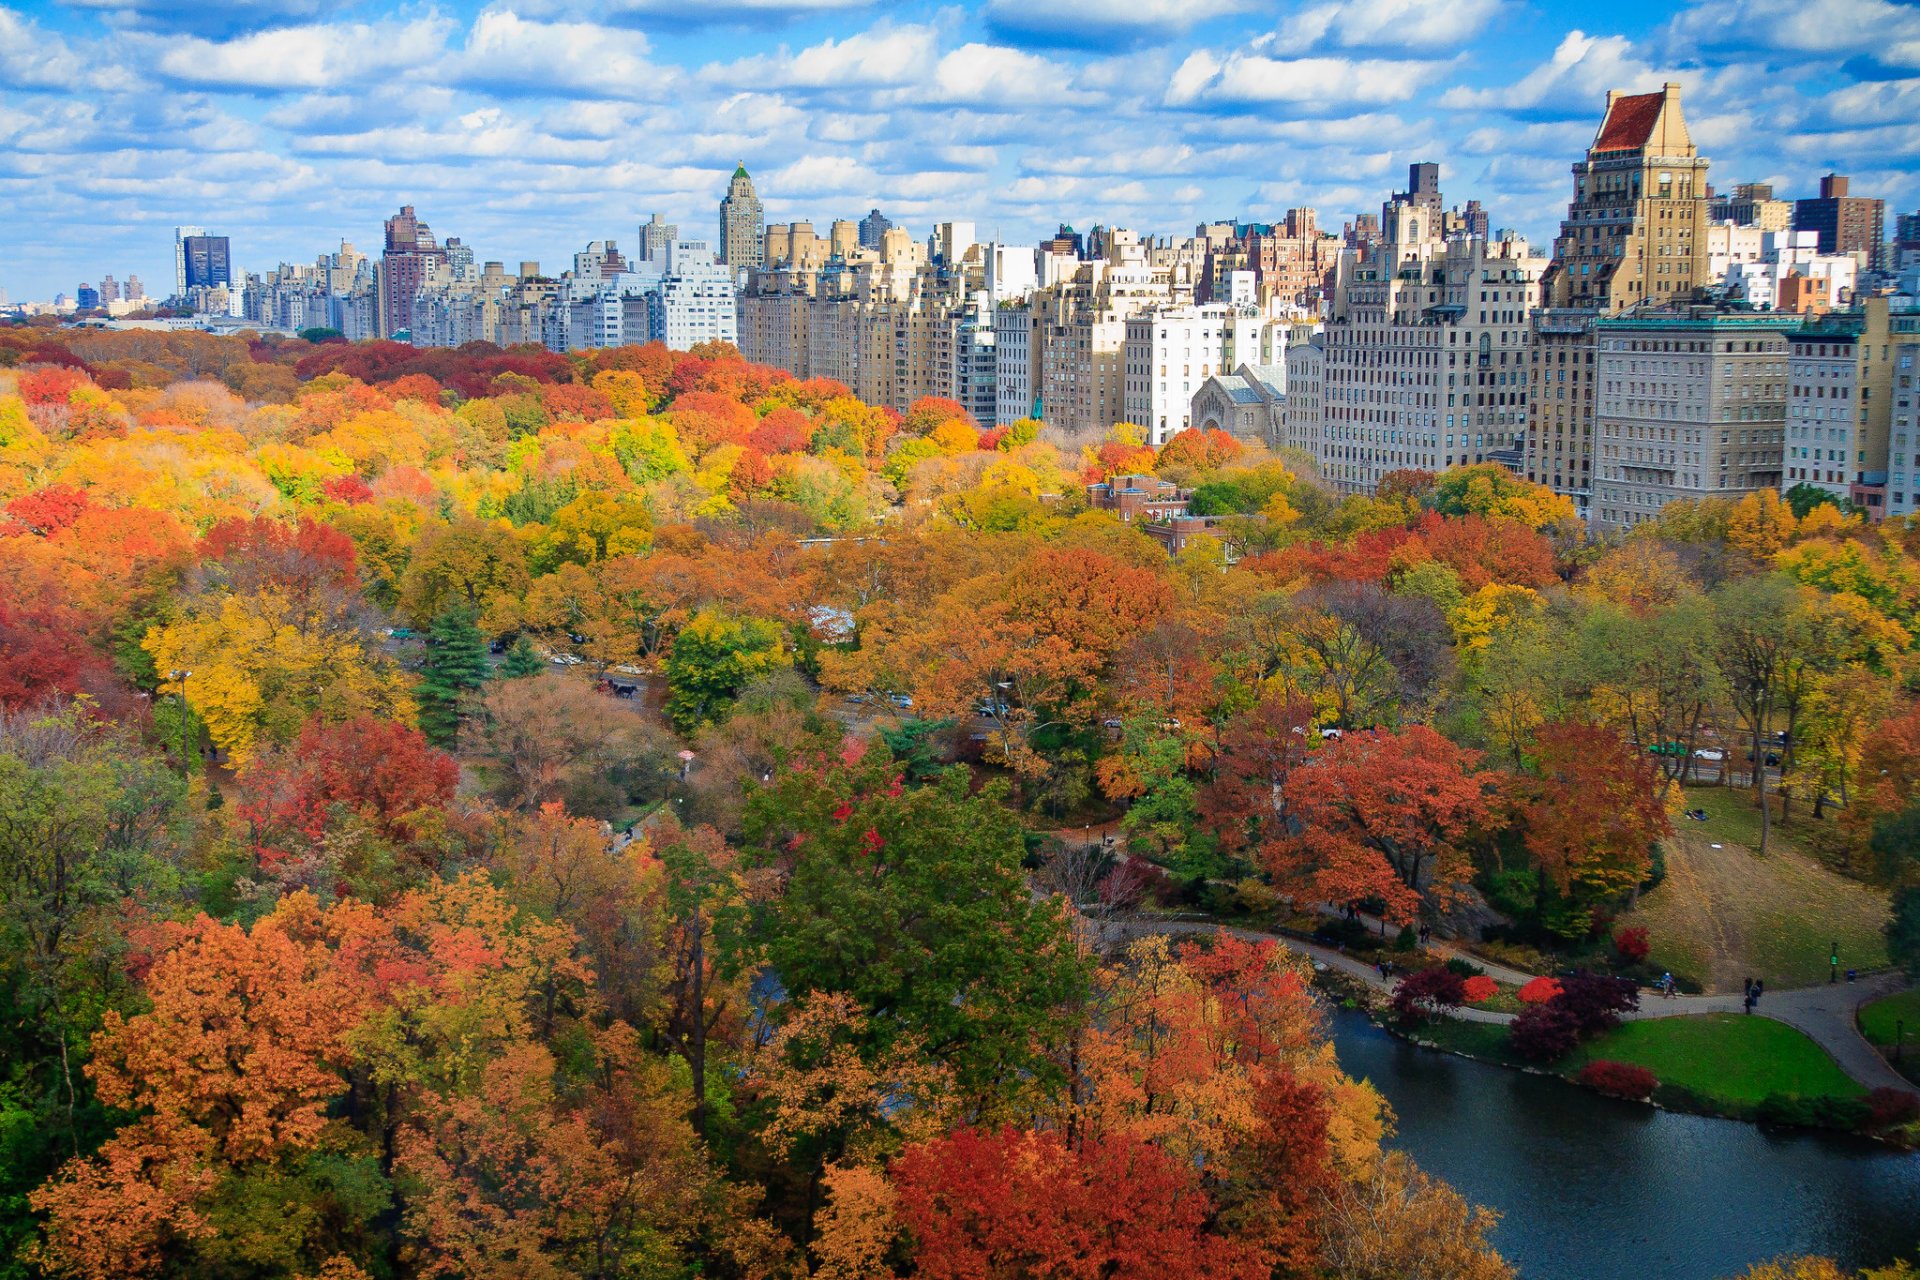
[529,127]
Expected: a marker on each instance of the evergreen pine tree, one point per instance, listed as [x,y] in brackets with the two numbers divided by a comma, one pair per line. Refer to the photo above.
[523,660]
[456,664]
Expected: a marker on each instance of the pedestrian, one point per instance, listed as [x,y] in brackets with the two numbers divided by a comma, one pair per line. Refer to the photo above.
[1666,985]
[1746,987]
[1759,989]
[1749,1004]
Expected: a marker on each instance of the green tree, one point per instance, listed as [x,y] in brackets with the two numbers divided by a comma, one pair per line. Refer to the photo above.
[713,658]
[912,902]
[456,665]
[522,660]
[1804,497]
[1903,931]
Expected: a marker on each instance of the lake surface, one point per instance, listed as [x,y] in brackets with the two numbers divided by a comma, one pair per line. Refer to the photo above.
[1589,1187]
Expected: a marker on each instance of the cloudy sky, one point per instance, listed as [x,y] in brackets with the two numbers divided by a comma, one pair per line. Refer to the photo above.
[529,127]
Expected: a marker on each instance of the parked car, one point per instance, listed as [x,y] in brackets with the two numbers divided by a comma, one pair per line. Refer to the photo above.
[901,700]
[1709,753]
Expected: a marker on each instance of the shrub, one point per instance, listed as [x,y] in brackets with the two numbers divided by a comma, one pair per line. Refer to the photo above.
[1423,995]
[1596,1001]
[1543,1032]
[1477,988]
[1790,1110]
[1618,1079]
[1350,934]
[1632,944]
[1889,1108]
[1465,968]
[1539,990]
[1407,939]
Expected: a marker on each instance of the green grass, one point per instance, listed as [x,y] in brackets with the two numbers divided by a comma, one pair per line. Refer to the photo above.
[1486,1040]
[1726,1057]
[1878,1020]
[1733,816]
[1727,913]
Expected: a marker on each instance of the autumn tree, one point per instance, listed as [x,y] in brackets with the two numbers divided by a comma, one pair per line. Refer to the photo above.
[551,737]
[1591,811]
[913,902]
[1399,1222]
[1388,816]
[1024,1205]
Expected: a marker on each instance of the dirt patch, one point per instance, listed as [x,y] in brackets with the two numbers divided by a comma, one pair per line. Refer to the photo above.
[1723,914]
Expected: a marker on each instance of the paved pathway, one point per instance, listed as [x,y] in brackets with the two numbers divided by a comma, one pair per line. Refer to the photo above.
[1824,1013]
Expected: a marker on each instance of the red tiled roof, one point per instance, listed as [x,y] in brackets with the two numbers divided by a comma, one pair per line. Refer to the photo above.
[1629,122]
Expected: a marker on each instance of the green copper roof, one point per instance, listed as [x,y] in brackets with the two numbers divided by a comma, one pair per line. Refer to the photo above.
[740,170]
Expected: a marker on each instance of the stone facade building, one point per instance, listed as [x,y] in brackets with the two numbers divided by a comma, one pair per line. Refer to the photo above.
[1688,404]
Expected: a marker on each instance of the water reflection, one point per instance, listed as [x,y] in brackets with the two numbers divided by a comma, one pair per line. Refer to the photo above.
[1590,1187]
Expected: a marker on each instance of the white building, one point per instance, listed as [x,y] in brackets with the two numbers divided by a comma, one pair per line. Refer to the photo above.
[1303,424]
[695,301]
[1013,362]
[1426,351]
[1171,351]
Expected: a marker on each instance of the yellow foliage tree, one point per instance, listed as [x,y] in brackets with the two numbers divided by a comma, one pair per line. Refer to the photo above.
[261,664]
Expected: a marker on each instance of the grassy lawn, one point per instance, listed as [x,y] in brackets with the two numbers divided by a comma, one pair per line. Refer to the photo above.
[1725,1056]
[1877,1020]
[1724,914]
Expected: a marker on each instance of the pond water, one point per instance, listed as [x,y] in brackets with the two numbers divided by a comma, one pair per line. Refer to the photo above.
[1589,1187]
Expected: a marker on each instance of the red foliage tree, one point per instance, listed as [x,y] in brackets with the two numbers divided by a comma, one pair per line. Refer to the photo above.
[50,384]
[302,557]
[784,430]
[1428,994]
[383,774]
[1024,1206]
[46,511]
[1384,815]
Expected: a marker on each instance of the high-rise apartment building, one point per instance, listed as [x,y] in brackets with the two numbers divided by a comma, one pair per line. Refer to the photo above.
[1689,403]
[656,233]
[412,258]
[208,262]
[873,228]
[1903,456]
[1751,205]
[180,235]
[1172,350]
[743,223]
[1636,233]
[1636,230]
[1845,223]
[1840,405]
[1426,351]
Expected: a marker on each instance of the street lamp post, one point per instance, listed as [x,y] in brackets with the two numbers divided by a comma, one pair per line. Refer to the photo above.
[180,690]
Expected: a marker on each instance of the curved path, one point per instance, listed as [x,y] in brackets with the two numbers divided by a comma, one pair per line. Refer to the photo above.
[1825,1014]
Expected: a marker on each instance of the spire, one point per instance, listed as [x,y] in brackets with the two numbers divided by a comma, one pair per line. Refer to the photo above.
[740,170]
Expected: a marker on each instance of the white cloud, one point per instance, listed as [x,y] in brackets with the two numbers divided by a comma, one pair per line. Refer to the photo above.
[320,56]
[885,56]
[994,76]
[1249,79]
[205,17]
[34,58]
[507,53]
[1574,80]
[1097,23]
[1388,24]
[1874,29]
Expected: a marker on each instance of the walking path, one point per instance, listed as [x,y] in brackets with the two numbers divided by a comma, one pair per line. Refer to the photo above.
[1824,1013]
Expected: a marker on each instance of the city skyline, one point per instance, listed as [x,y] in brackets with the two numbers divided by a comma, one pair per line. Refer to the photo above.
[528,131]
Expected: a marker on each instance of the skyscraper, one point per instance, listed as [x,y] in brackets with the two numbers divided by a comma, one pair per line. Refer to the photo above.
[872,227]
[1636,232]
[656,233]
[180,235]
[206,262]
[743,223]
[410,258]
[1845,223]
